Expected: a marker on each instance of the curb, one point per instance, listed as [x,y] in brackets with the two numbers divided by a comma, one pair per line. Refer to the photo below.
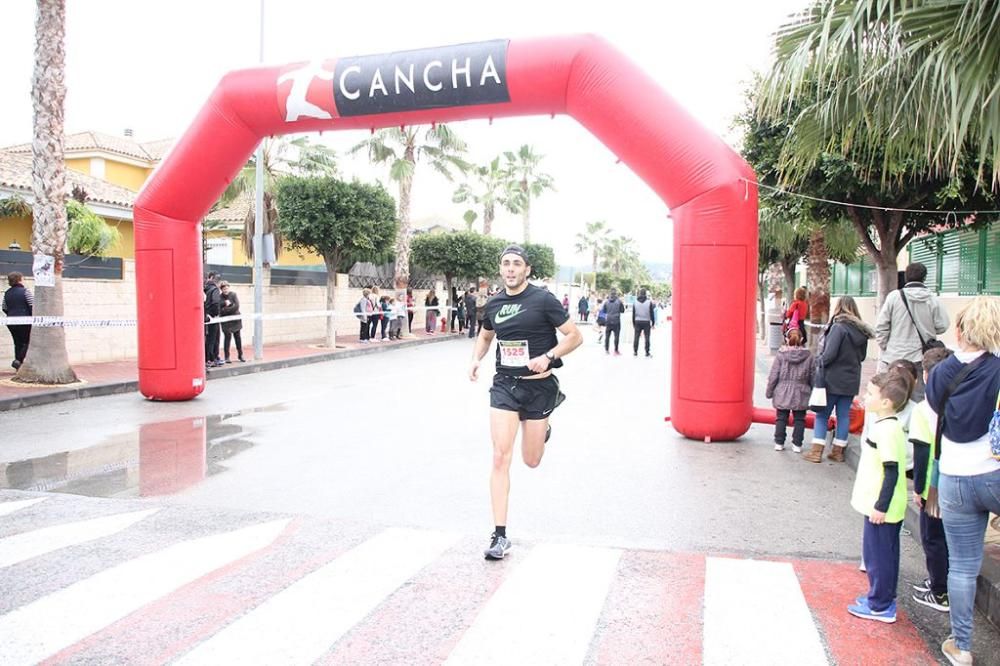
[988,582]
[112,388]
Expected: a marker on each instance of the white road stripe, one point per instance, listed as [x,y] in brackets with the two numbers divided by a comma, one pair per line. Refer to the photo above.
[300,623]
[27,545]
[11,507]
[545,612]
[43,627]
[755,613]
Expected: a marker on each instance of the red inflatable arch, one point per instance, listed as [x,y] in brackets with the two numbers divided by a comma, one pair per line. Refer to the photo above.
[705,184]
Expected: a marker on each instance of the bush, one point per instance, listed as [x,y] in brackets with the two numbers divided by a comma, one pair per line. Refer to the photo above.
[89,234]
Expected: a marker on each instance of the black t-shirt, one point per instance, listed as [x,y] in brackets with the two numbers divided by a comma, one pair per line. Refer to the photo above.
[525,327]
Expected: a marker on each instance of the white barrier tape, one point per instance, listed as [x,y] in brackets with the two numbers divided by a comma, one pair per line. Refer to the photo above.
[53,322]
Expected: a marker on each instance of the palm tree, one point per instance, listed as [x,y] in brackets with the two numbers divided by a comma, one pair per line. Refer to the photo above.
[47,361]
[489,189]
[525,182]
[619,256]
[400,148]
[912,82]
[282,157]
[592,240]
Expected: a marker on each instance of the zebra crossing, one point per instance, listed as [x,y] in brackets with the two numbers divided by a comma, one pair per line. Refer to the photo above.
[279,590]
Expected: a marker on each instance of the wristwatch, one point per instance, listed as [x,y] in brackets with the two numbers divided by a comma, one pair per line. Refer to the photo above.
[552,357]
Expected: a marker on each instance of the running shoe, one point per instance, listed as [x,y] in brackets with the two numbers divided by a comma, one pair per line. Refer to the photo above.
[499,545]
[931,600]
[866,613]
[925,586]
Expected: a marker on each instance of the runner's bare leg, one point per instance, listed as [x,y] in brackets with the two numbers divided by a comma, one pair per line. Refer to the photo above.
[503,429]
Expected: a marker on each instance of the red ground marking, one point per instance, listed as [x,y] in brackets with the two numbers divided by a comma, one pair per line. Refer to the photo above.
[653,612]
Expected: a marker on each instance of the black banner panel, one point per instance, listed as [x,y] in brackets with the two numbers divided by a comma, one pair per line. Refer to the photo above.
[447,76]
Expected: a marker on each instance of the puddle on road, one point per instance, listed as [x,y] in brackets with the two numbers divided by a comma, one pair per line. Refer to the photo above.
[158,459]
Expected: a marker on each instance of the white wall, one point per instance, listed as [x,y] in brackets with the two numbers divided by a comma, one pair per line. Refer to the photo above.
[115,299]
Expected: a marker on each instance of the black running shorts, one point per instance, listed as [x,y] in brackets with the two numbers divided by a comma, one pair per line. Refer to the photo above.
[532,399]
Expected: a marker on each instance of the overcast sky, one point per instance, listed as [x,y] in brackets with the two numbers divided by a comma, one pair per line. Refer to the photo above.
[150,66]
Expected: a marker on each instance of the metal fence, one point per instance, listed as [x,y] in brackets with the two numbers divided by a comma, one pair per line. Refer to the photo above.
[74,266]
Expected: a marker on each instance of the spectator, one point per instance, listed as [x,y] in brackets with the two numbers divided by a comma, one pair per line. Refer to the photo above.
[385,312]
[789,386]
[800,307]
[431,303]
[375,318]
[18,302]
[933,591]
[231,329]
[394,319]
[845,345]
[363,311]
[643,321]
[470,311]
[409,309]
[880,495]
[400,313]
[962,390]
[583,308]
[456,313]
[613,309]
[909,318]
[481,300]
[213,308]
[565,302]
[602,318]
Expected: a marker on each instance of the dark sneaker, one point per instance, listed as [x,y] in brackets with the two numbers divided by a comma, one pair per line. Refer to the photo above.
[498,547]
[925,586]
[15,364]
[866,613]
[931,600]
[548,432]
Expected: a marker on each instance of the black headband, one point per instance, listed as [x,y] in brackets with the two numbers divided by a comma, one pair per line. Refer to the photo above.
[515,249]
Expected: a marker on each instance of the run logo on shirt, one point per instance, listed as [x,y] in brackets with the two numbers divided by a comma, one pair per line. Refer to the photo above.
[508,312]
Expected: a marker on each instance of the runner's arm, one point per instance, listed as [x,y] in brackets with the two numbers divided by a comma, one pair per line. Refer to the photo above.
[483,342]
[571,340]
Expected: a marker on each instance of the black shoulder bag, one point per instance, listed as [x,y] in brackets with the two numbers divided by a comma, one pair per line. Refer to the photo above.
[931,506]
[925,345]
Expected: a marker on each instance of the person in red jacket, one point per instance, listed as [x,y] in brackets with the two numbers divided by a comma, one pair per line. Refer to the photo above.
[800,306]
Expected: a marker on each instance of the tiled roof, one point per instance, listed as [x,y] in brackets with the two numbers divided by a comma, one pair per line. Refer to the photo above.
[151,151]
[15,173]
[235,213]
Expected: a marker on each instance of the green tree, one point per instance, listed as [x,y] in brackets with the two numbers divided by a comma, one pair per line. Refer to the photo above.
[592,240]
[525,181]
[542,259]
[14,206]
[401,148]
[604,281]
[792,226]
[864,116]
[893,83]
[344,222]
[47,361]
[626,284]
[488,189]
[282,157]
[89,234]
[458,254]
[620,257]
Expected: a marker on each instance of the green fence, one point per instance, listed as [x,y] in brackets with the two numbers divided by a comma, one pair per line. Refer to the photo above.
[962,261]
[857,279]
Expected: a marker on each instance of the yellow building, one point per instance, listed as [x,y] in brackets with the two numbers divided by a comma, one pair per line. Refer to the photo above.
[112,170]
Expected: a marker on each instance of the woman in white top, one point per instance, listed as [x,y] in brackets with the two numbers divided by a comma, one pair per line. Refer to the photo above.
[969,487]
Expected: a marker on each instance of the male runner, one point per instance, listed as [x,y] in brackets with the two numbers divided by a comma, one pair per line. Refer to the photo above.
[524,319]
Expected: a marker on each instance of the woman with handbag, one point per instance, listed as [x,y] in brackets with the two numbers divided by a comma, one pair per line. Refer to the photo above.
[844,347]
[962,391]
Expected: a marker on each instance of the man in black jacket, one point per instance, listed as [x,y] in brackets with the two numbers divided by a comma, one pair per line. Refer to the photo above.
[213,308]
[470,311]
[18,302]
